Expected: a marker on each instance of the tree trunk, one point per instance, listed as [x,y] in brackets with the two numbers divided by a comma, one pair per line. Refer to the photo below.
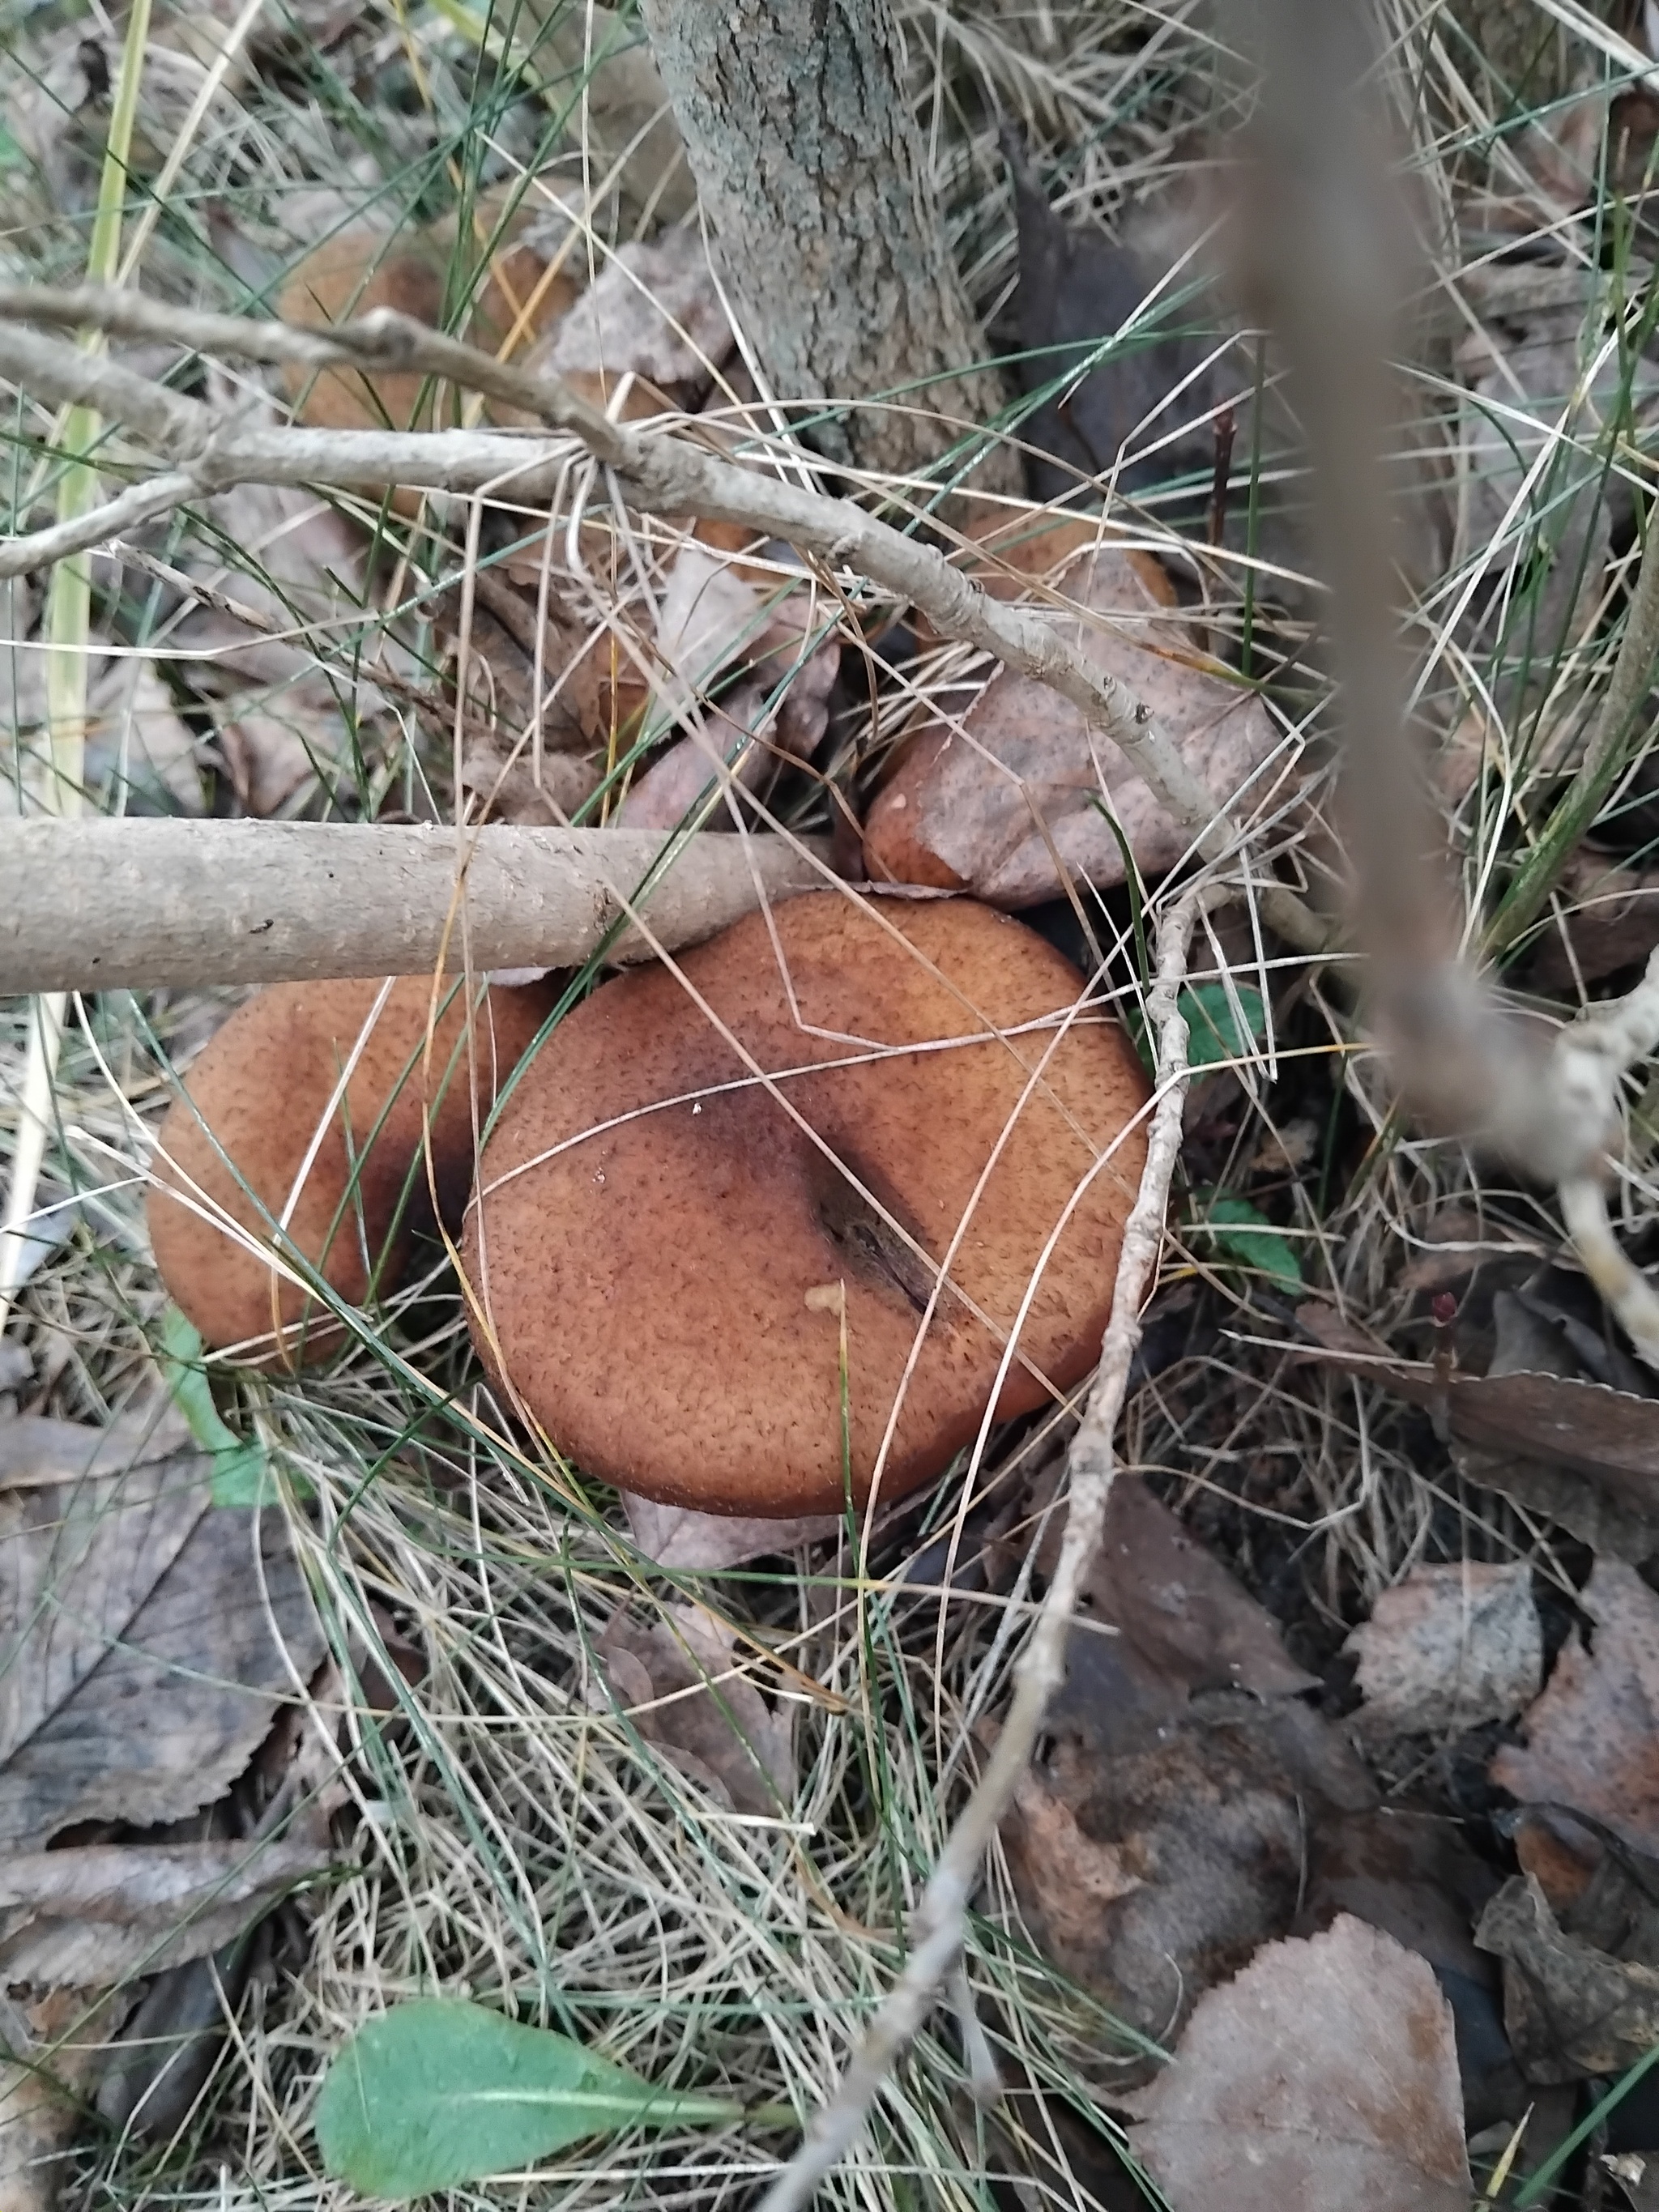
[815,182]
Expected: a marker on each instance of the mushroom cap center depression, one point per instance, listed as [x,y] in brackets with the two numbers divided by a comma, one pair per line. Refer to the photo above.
[655,1242]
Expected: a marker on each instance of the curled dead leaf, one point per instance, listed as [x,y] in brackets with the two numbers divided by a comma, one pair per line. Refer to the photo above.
[1000,804]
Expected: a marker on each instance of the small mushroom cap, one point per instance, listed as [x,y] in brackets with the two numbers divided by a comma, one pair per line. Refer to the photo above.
[262,1086]
[656,1247]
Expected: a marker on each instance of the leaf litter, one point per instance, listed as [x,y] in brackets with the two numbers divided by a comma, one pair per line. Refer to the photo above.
[1199,1811]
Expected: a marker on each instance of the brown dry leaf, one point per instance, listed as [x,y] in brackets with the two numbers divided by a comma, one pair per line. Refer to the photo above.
[90,1916]
[1184,1622]
[1610,919]
[52,2051]
[679,1679]
[529,286]
[139,749]
[674,1536]
[1162,1836]
[627,124]
[1593,1737]
[147,1636]
[1000,806]
[1612,1436]
[1324,2075]
[1448,1647]
[653,311]
[1572,2011]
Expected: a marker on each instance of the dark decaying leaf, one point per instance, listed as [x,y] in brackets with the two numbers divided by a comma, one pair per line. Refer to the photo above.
[1323,2075]
[1591,1742]
[146,1636]
[1610,1436]
[1417,1878]
[51,2047]
[655,310]
[437,2094]
[1162,1835]
[1572,2011]
[1076,287]
[1448,1647]
[92,1916]
[1610,919]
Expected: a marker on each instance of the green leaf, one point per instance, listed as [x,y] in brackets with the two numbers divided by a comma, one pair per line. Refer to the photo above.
[1213,1024]
[241,1473]
[1238,1229]
[437,2094]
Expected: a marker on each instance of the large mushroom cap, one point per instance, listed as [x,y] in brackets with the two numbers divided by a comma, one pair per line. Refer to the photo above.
[655,1241]
[263,1087]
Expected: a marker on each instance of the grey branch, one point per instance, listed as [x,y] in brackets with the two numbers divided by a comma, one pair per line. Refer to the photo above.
[96,905]
[1093,1465]
[659,473]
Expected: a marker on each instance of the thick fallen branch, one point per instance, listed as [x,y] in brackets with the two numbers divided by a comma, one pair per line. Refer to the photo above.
[1091,1465]
[93,904]
[657,472]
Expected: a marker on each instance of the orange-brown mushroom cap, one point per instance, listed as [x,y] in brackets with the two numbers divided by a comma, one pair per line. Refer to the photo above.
[262,1088]
[655,1241]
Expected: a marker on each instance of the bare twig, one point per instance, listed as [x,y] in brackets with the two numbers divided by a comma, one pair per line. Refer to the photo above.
[1326,231]
[941,1917]
[94,904]
[657,472]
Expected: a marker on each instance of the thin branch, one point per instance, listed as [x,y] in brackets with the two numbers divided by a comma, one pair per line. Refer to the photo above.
[95,904]
[1092,1464]
[657,472]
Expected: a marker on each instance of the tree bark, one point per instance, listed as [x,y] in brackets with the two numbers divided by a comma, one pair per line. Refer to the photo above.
[814,179]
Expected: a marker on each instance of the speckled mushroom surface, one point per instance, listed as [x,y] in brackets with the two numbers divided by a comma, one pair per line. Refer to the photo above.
[656,1238]
[262,1086]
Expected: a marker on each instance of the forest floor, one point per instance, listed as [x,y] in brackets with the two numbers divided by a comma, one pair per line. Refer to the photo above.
[1381,1558]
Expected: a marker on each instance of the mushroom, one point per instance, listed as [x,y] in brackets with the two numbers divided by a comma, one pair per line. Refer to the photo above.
[255,1100]
[661,1248]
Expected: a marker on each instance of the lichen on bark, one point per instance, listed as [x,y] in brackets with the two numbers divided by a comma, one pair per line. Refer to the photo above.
[814,180]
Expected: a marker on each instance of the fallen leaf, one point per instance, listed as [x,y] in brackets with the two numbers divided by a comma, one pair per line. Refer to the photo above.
[1001,805]
[679,1678]
[1572,2011]
[92,1916]
[1078,287]
[51,2049]
[1161,1836]
[1608,920]
[147,1636]
[674,1536]
[655,310]
[1192,1847]
[436,2093]
[140,751]
[622,119]
[1242,1232]
[1415,1876]
[1609,1435]
[1324,2075]
[1184,1622]
[1592,1743]
[1448,1647]
[748,731]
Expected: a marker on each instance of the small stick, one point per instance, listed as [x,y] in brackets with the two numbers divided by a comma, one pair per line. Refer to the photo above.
[1092,1464]
[94,904]
[657,472]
